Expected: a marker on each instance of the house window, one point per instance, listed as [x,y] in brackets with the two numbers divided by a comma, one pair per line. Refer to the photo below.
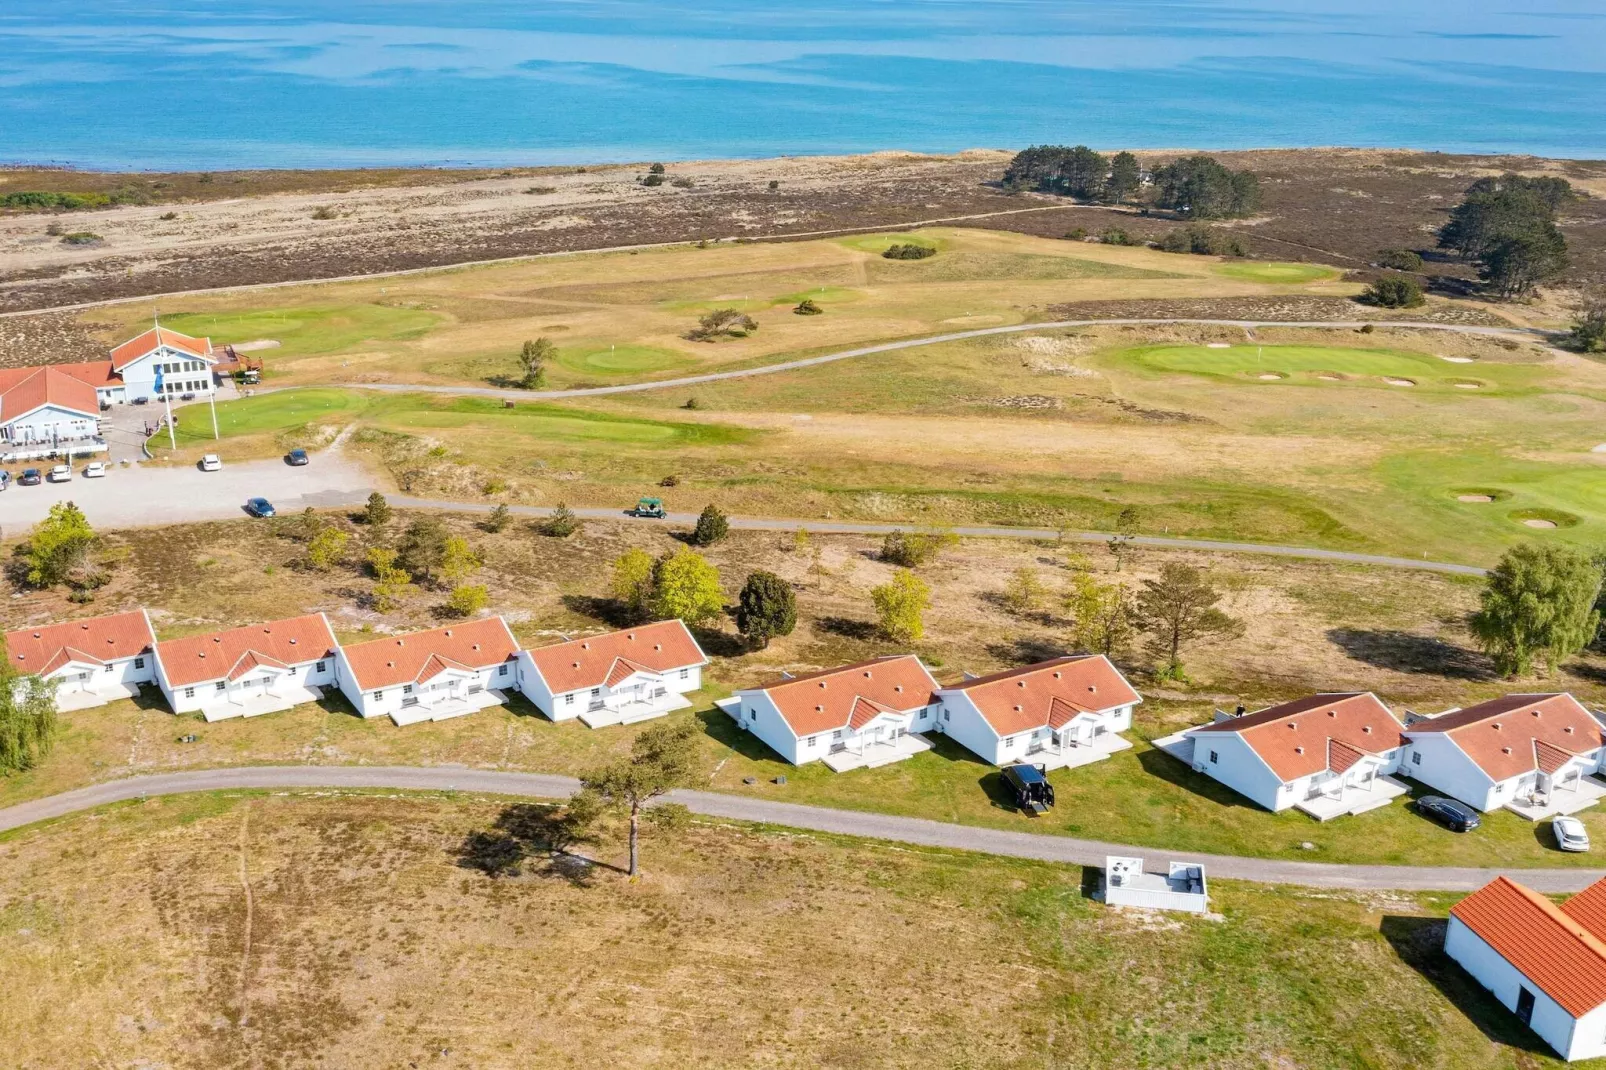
[378,696]
[1499,789]
[595,691]
[1009,742]
[189,692]
[1416,759]
[1212,757]
[501,670]
[139,663]
[685,674]
[946,715]
[222,685]
[568,700]
[922,715]
[811,741]
[837,734]
[318,667]
[407,689]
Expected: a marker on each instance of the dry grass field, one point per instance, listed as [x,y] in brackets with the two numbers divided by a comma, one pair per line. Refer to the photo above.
[258,931]
[1310,627]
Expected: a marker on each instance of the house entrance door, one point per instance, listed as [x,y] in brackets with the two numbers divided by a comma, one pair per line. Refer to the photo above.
[1525,1006]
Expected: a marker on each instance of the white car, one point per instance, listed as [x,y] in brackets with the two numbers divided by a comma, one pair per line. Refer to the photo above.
[1570,834]
[62,473]
[95,470]
[211,463]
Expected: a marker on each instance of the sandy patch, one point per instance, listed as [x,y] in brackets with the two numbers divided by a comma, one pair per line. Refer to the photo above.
[1599,449]
[1469,386]
[1331,378]
[1456,360]
[974,321]
[1399,382]
[1270,376]
[260,343]
[1218,345]
[1538,523]
[1473,498]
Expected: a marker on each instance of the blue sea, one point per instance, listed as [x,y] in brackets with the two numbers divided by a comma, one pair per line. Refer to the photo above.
[206,84]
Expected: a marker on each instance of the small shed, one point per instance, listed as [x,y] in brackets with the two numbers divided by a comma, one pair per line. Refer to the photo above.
[1181,887]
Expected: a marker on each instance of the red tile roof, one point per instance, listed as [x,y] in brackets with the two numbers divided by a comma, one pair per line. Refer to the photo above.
[1295,738]
[1588,908]
[37,387]
[134,348]
[409,659]
[1548,944]
[611,657]
[95,640]
[228,655]
[851,696]
[1502,736]
[1048,694]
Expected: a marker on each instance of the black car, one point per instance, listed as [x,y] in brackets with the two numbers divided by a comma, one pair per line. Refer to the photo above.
[1455,816]
[1033,792]
[142,400]
[297,458]
[260,507]
[31,477]
[186,397]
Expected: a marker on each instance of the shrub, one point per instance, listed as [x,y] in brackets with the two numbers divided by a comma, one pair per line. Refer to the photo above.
[377,512]
[682,183]
[1204,241]
[494,485]
[723,323]
[656,169]
[1399,259]
[324,211]
[807,307]
[653,180]
[327,549]
[1115,236]
[712,526]
[774,185]
[80,237]
[913,549]
[900,606]
[908,251]
[168,217]
[1076,234]
[1394,291]
[562,523]
[499,518]
[468,599]
[542,189]
[669,481]
[692,403]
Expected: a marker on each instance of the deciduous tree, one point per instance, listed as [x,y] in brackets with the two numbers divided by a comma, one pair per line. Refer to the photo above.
[27,717]
[58,546]
[459,561]
[900,606]
[327,549]
[534,356]
[1101,614]
[391,582]
[632,581]
[468,599]
[685,585]
[1589,327]
[1538,604]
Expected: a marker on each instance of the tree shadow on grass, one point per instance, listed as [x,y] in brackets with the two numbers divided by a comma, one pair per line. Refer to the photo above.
[533,839]
[1419,943]
[1028,650]
[1590,671]
[720,644]
[519,705]
[1162,766]
[863,631]
[609,611]
[1399,651]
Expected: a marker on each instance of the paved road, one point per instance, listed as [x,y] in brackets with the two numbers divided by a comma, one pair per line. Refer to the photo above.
[914,343]
[820,819]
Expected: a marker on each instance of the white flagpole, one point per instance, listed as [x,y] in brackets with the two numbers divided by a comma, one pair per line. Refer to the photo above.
[172,439]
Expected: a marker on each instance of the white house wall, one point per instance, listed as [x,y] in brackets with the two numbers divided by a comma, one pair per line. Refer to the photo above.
[383,701]
[1583,1038]
[104,679]
[1241,769]
[192,697]
[1435,760]
[758,714]
[139,376]
[960,720]
[50,422]
[533,684]
[563,705]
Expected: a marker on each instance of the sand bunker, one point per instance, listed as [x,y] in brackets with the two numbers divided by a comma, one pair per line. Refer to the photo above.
[1474,497]
[1457,360]
[1399,382]
[1218,345]
[1469,386]
[1331,378]
[1538,523]
[260,343]
[1599,449]
[1270,376]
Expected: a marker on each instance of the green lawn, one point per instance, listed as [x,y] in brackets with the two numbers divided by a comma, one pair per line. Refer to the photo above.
[1273,273]
[616,360]
[1329,367]
[308,331]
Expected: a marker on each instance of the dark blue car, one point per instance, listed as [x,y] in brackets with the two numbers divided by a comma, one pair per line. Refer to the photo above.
[260,507]
[297,458]
[1453,815]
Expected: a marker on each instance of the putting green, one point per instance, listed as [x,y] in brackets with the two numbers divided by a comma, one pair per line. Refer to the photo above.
[880,243]
[601,359]
[308,331]
[1274,274]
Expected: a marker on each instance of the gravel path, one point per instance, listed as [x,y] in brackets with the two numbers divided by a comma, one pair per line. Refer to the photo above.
[918,831]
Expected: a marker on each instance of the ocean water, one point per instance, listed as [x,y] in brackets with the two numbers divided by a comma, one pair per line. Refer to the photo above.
[207,84]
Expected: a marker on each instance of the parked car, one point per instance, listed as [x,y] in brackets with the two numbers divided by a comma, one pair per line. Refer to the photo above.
[1033,793]
[141,400]
[94,470]
[1453,815]
[62,473]
[211,463]
[1570,833]
[187,397]
[31,477]
[297,458]
[260,507]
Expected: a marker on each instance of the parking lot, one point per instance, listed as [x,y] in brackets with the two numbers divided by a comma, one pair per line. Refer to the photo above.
[137,495]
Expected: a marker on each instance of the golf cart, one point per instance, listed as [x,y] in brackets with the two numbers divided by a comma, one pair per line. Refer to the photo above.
[648,507]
